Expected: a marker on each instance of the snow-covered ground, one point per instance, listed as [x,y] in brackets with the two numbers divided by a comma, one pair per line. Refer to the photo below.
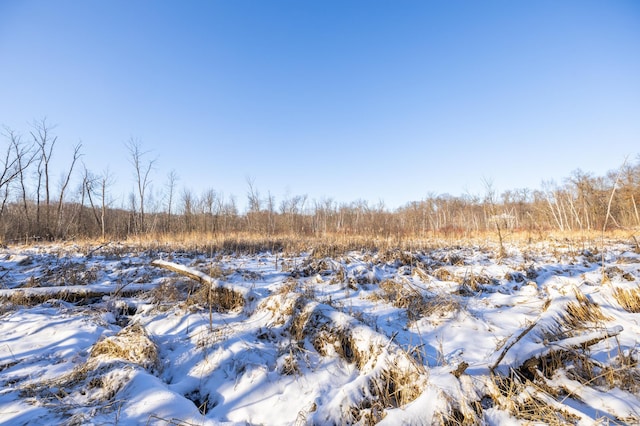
[100,335]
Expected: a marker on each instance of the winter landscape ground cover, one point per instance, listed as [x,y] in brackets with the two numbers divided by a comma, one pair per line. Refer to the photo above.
[114,334]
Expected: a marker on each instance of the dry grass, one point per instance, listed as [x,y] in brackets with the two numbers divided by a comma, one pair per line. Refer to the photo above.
[582,311]
[399,257]
[472,283]
[284,307]
[416,304]
[628,299]
[298,319]
[389,384]
[171,291]
[100,378]
[526,401]
[327,339]
[402,296]
[288,364]
[392,388]
[443,274]
[220,299]
[326,244]
[70,273]
[131,344]
[19,298]
[22,298]
[442,305]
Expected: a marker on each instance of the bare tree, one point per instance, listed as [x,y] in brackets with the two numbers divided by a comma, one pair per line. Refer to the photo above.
[41,134]
[187,209]
[63,188]
[208,201]
[16,159]
[253,196]
[499,220]
[25,156]
[89,188]
[172,179]
[106,180]
[96,186]
[254,205]
[142,169]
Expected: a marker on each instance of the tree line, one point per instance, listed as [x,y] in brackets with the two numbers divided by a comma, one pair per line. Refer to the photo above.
[81,204]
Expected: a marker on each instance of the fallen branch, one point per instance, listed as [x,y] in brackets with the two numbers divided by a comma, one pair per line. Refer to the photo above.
[581,342]
[510,344]
[532,360]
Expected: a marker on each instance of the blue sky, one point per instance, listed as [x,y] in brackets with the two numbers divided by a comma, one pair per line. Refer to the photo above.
[373,100]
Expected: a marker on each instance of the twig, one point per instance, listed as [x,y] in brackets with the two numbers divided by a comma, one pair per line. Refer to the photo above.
[511,344]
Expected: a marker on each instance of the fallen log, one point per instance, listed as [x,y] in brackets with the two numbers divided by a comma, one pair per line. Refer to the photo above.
[71,293]
[232,294]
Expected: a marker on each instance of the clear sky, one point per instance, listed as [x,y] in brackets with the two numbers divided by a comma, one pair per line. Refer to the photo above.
[374,100]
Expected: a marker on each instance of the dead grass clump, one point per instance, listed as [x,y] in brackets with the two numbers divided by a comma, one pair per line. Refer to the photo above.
[443,274]
[299,318]
[339,277]
[327,339]
[389,385]
[32,282]
[581,312]
[100,383]
[472,283]
[169,291]
[614,271]
[214,271]
[288,364]
[220,299]
[71,273]
[527,402]
[81,296]
[131,344]
[518,277]
[284,307]
[628,299]
[392,388]
[623,373]
[404,297]
[288,286]
[19,298]
[442,305]
[452,259]
[420,273]
[313,266]
[398,257]
[396,387]
[576,364]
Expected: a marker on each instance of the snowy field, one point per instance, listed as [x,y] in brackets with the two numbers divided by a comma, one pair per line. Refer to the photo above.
[111,334]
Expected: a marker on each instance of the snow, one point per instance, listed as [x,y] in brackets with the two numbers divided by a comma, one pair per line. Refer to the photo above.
[318,340]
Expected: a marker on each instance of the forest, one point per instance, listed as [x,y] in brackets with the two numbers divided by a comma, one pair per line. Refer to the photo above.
[35,206]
